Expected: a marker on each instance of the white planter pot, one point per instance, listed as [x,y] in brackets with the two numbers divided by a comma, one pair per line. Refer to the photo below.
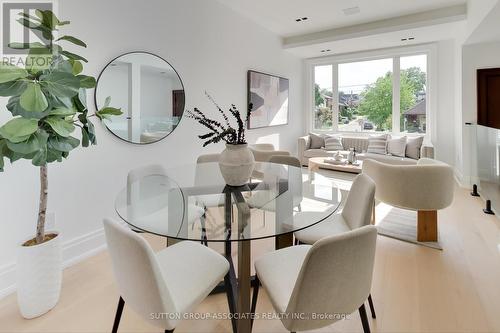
[236,164]
[39,277]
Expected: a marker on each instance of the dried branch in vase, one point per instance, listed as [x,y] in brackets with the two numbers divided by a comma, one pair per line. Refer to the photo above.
[222,132]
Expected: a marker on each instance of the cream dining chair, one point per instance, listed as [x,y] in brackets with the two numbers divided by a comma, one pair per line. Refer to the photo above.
[333,277]
[161,287]
[356,213]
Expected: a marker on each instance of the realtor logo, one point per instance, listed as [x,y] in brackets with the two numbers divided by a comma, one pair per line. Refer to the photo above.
[14,14]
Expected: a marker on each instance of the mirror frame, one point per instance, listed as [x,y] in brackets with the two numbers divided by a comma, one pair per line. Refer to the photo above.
[97,86]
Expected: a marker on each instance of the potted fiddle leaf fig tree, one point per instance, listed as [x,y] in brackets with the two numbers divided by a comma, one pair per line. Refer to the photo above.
[47,100]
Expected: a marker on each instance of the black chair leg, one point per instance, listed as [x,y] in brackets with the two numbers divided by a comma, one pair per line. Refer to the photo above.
[230,300]
[118,316]
[364,319]
[169,331]
[255,295]
[372,308]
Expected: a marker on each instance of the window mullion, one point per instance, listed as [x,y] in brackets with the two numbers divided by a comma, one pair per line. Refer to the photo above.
[396,95]
[335,91]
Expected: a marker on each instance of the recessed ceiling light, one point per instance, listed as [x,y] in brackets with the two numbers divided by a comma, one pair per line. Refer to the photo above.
[351,10]
[404,39]
[300,19]
[411,38]
[325,50]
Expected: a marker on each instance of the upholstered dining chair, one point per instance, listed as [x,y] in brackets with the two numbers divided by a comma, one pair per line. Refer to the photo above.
[426,188]
[161,287]
[262,152]
[333,276]
[261,200]
[356,213]
[157,211]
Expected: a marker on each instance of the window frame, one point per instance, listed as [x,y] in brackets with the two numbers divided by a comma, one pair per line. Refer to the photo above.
[396,54]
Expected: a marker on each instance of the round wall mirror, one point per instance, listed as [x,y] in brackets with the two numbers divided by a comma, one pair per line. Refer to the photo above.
[150,93]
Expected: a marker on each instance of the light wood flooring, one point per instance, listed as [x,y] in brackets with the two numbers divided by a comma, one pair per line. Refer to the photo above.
[415,289]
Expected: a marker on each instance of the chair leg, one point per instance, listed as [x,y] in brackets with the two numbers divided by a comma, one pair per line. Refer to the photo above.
[364,319]
[118,316]
[169,331]
[230,300]
[203,228]
[255,295]
[372,308]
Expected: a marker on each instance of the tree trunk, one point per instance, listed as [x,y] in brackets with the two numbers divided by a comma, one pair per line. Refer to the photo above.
[42,210]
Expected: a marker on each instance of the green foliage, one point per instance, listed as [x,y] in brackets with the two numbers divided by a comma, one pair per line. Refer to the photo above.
[47,98]
[376,99]
[317,95]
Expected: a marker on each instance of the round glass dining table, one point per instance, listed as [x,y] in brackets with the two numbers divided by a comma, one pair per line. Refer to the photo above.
[193,202]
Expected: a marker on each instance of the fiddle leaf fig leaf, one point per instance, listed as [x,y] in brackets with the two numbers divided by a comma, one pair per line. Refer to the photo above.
[73,40]
[77,67]
[86,81]
[63,112]
[63,144]
[25,46]
[106,113]
[62,127]
[16,109]
[19,129]
[28,146]
[33,99]
[12,88]
[73,56]
[61,84]
[11,73]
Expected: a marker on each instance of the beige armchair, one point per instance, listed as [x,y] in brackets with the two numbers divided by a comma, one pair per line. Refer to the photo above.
[425,188]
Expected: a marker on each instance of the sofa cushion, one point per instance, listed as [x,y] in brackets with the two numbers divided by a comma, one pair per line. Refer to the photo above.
[317,141]
[377,144]
[397,146]
[333,142]
[413,146]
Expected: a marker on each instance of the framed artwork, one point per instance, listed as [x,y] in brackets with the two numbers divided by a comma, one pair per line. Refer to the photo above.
[269,95]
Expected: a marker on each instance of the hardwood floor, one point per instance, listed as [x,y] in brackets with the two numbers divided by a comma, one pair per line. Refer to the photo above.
[415,289]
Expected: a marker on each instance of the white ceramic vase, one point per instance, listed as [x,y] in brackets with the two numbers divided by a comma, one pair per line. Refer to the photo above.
[39,277]
[236,164]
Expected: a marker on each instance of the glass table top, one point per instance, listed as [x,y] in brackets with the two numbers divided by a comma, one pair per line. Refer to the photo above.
[192,202]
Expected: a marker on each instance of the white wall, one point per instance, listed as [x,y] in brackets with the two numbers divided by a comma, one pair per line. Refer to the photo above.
[444,131]
[210,46]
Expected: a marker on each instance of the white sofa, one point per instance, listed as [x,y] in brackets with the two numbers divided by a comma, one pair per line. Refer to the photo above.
[360,144]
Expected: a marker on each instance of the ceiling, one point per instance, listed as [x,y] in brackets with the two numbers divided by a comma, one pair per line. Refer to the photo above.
[279,15]
[488,30]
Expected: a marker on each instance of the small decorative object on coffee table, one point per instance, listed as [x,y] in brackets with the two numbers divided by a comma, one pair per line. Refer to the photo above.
[236,161]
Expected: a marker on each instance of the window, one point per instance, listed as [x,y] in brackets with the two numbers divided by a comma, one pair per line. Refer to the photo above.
[365,96]
[374,95]
[413,94]
[323,97]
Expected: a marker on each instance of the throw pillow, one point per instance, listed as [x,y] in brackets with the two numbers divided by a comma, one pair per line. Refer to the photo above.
[317,141]
[377,144]
[397,146]
[413,146]
[333,143]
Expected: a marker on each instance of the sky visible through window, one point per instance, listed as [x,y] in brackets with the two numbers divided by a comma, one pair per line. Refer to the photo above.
[354,76]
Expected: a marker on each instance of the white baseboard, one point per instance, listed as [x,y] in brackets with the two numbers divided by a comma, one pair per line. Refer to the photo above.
[73,252]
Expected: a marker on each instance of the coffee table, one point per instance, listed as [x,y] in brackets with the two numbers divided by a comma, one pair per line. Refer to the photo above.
[317,163]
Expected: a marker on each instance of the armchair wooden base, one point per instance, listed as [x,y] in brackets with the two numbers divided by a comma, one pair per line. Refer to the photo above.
[427,229]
